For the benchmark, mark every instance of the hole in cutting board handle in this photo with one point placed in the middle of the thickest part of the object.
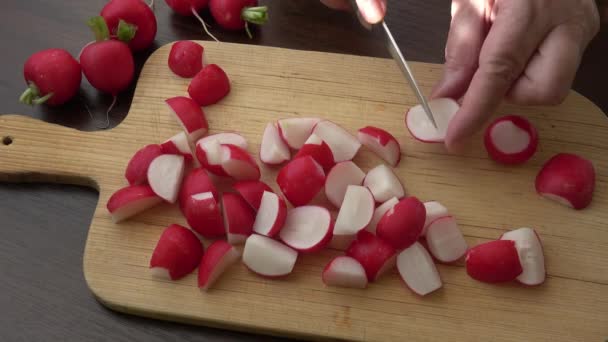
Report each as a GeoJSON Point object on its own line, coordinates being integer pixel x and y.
{"type": "Point", "coordinates": [7, 140]}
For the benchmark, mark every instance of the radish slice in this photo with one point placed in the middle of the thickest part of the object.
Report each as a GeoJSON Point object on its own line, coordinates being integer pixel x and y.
{"type": "Point", "coordinates": [301, 180]}
{"type": "Point", "coordinates": [343, 271]}
{"type": "Point", "coordinates": [356, 211]}
{"type": "Point", "coordinates": [196, 182]}
{"type": "Point", "coordinates": [238, 218]}
{"type": "Point", "coordinates": [417, 270]}
{"type": "Point", "coordinates": [137, 169]}
{"type": "Point", "coordinates": [379, 213]}
{"type": "Point", "coordinates": [530, 250]}
{"type": "Point", "coordinates": [178, 144]}
{"type": "Point", "coordinates": [165, 176]}
{"type": "Point", "coordinates": [271, 216]}
{"type": "Point", "coordinates": [402, 225]}
{"type": "Point", "coordinates": [273, 149]}
{"type": "Point", "coordinates": [339, 178]}
{"type": "Point", "coordinates": [383, 183]}
{"type": "Point", "coordinates": [511, 140]}
{"type": "Point", "coordinates": [343, 145]}
{"type": "Point", "coordinates": [494, 262]}
{"type": "Point", "coordinates": [376, 256]}
{"type": "Point", "coordinates": [307, 229]}
{"type": "Point", "coordinates": [268, 257]}
{"type": "Point", "coordinates": [445, 240]}
{"type": "Point", "coordinates": [209, 155]}
{"type": "Point", "coordinates": [382, 143]}
{"type": "Point", "coordinates": [130, 201]}
{"type": "Point", "coordinates": [204, 216]}
{"type": "Point", "coordinates": [434, 210]}
{"type": "Point", "coordinates": [217, 259]}
{"type": "Point", "coordinates": [252, 192]}
{"type": "Point", "coordinates": [176, 254]}
{"type": "Point", "coordinates": [422, 128]}
{"type": "Point", "coordinates": [295, 131]}
{"type": "Point", "coordinates": [224, 139]}
{"type": "Point", "coordinates": [319, 150]}
{"type": "Point", "coordinates": [238, 164]}
{"type": "Point", "coordinates": [189, 115]}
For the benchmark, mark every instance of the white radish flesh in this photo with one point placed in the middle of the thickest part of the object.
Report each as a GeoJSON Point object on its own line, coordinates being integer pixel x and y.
{"type": "Point", "coordinates": [422, 128]}
{"type": "Point", "coordinates": [445, 240]}
{"type": "Point", "coordinates": [273, 149]}
{"type": "Point", "coordinates": [383, 183]}
{"type": "Point", "coordinates": [343, 145]}
{"type": "Point", "coordinates": [339, 178]}
{"type": "Point", "coordinates": [511, 140]}
{"type": "Point", "coordinates": [417, 270]}
{"type": "Point", "coordinates": [238, 164]}
{"type": "Point", "coordinates": [178, 144]}
{"type": "Point", "coordinates": [381, 143]}
{"type": "Point", "coordinates": [379, 212]}
{"type": "Point", "coordinates": [434, 210]}
{"type": "Point", "coordinates": [307, 228]}
{"type": "Point", "coordinates": [344, 271]}
{"type": "Point", "coordinates": [295, 131]}
{"type": "Point", "coordinates": [165, 176]}
{"type": "Point", "coordinates": [271, 215]}
{"type": "Point", "coordinates": [356, 211]}
{"type": "Point", "coordinates": [268, 257]}
{"type": "Point", "coordinates": [530, 251]}
{"type": "Point", "coordinates": [130, 201]}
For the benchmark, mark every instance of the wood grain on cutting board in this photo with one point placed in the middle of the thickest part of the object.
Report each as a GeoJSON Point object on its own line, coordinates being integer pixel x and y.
{"type": "Point", "coordinates": [271, 83]}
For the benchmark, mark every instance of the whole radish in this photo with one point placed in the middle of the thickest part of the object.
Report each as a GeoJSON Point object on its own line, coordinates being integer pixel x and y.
{"type": "Point", "coordinates": [237, 14]}
{"type": "Point", "coordinates": [53, 77]}
{"type": "Point", "coordinates": [187, 7]}
{"type": "Point", "coordinates": [134, 12]}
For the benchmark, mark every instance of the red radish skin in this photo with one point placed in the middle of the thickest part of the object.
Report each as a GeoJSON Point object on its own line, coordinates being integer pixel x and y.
{"type": "Point", "coordinates": [186, 58]}
{"type": "Point", "coordinates": [178, 144]}
{"type": "Point", "coordinates": [189, 115]}
{"type": "Point", "coordinates": [238, 164]}
{"type": "Point", "coordinates": [382, 143]}
{"type": "Point", "coordinates": [108, 65]}
{"type": "Point", "coordinates": [379, 213]}
{"type": "Point", "coordinates": [422, 129]}
{"type": "Point", "coordinates": [296, 131]}
{"type": "Point", "coordinates": [271, 215]}
{"type": "Point", "coordinates": [267, 257]}
{"type": "Point", "coordinates": [238, 218]}
{"type": "Point", "coordinates": [375, 255]}
{"type": "Point", "coordinates": [511, 140]}
{"type": "Point", "coordinates": [273, 150]}
{"type": "Point", "coordinates": [418, 271]}
{"type": "Point", "coordinates": [300, 180]}
{"type": "Point", "coordinates": [307, 229]}
{"type": "Point", "coordinates": [209, 150]}
{"type": "Point", "coordinates": [165, 175]}
{"type": "Point", "coordinates": [319, 150]}
{"type": "Point", "coordinates": [134, 12]}
{"type": "Point", "coordinates": [567, 179]}
{"type": "Point", "coordinates": [339, 178]}
{"type": "Point", "coordinates": [434, 211]}
{"type": "Point", "coordinates": [220, 255]}
{"type": "Point", "coordinates": [494, 262]}
{"type": "Point", "coordinates": [53, 77]}
{"type": "Point", "coordinates": [137, 169]}
{"type": "Point", "coordinates": [203, 214]}
{"type": "Point", "coordinates": [209, 86]}
{"type": "Point", "coordinates": [252, 192]}
{"type": "Point", "coordinates": [343, 145]}
{"type": "Point", "coordinates": [530, 250]}
{"type": "Point", "coordinates": [402, 225]}
{"type": "Point", "coordinates": [343, 271]}
{"type": "Point", "coordinates": [130, 201]}
{"type": "Point", "coordinates": [445, 241]}
{"type": "Point", "coordinates": [177, 253]}
{"type": "Point", "coordinates": [237, 14]}
{"type": "Point", "coordinates": [195, 182]}
{"type": "Point", "coordinates": [383, 183]}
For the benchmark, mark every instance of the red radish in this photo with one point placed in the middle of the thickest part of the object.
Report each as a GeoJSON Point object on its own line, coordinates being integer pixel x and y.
{"type": "Point", "coordinates": [178, 144]}
{"type": "Point", "coordinates": [130, 201]}
{"type": "Point", "coordinates": [307, 229]}
{"type": "Point", "coordinates": [134, 12]}
{"type": "Point", "coordinates": [422, 128]}
{"type": "Point", "coordinates": [417, 270]}
{"type": "Point", "coordinates": [209, 86]}
{"type": "Point", "coordinates": [530, 250]}
{"type": "Point", "coordinates": [382, 143]}
{"type": "Point", "coordinates": [237, 14]}
{"type": "Point", "coordinates": [300, 180]}
{"type": "Point", "coordinates": [273, 149]}
{"type": "Point", "coordinates": [494, 262]}
{"type": "Point", "coordinates": [204, 216]}
{"type": "Point", "coordinates": [445, 241]}
{"type": "Point", "coordinates": [268, 257]}
{"type": "Point", "coordinates": [238, 218]}
{"type": "Point", "coordinates": [189, 115]}
{"type": "Point", "coordinates": [220, 255]}
{"type": "Point", "coordinates": [165, 176]}
{"type": "Point", "coordinates": [295, 131]}
{"type": "Point", "coordinates": [53, 77]}
{"type": "Point", "coordinates": [196, 182]}
{"type": "Point", "coordinates": [434, 210]}
{"type": "Point", "coordinates": [271, 215]}
{"type": "Point", "coordinates": [343, 271]}
{"type": "Point", "coordinates": [252, 192]}
{"type": "Point", "coordinates": [339, 178]}
{"type": "Point", "coordinates": [177, 253]}
{"type": "Point", "coordinates": [402, 225]}
{"type": "Point", "coordinates": [383, 183]}
{"type": "Point", "coordinates": [343, 145]}
{"type": "Point", "coordinates": [375, 255]}
{"type": "Point", "coordinates": [186, 58]}
{"type": "Point", "coordinates": [238, 164]}
{"type": "Point", "coordinates": [355, 213]}
{"type": "Point", "coordinates": [209, 150]}
{"type": "Point", "coordinates": [137, 169]}
{"type": "Point", "coordinates": [187, 7]}
{"type": "Point", "coordinates": [568, 179]}
{"type": "Point", "coordinates": [379, 213]}
{"type": "Point", "coordinates": [225, 138]}
{"type": "Point", "coordinates": [319, 150]}
{"type": "Point", "coordinates": [511, 140]}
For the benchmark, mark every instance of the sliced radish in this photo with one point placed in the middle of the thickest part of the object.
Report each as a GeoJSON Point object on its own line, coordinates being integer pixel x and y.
{"type": "Point", "coordinates": [295, 131]}
{"type": "Point", "coordinates": [422, 128]}
{"type": "Point", "coordinates": [375, 255]}
{"type": "Point", "coordinates": [130, 201]}
{"type": "Point", "coordinates": [137, 169]}
{"type": "Point", "coordinates": [382, 143]}
{"type": "Point", "coordinates": [344, 271]}
{"type": "Point", "coordinates": [356, 211]}
{"type": "Point", "coordinates": [195, 182]}
{"type": "Point", "coordinates": [204, 216]}
{"type": "Point", "coordinates": [343, 145]}
{"type": "Point", "coordinates": [176, 254]}
{"type": "Point", "coordinates": [300, 180]}
{"type": "Point", "coordinates": [434, 210]}
{"type": "Point", "coordinates": [494, 262]}
{"type": "Point", "coordinates": [238, 218]}
{"type": "Point", "coordinates": [402, 225]}
{"type": "Point", "coordinates": [238, 164]}
{"type": "Point", "coordinates": [252, 192]}
{"type": "Point", "coordinates": [531, 257]}
{"type": "Point", "coordinates": [339, 178]}
{"type": "Point", "coordinates": [445, 240]}
{"type": "Point", "coordinates": [271, 215]}
{"type": "Point", "coordinates": [379, 213]}
{"type": "Point", "coordinates": [319, 150]}
{"type": "Point", "coordinates": [417, 270]}
{"type": "Point", "coordinates": [307, 229]}
{"type": "Point", "coordinates": [268, 257]}
{"type": "Point", "coordinates": [225, 138]}
{"type": "Point", "coordinates": [178, 144]}
{"type": "Point", "coordinates": [189, 115]}
{"type": "Point", "coordinates": [209, 150]}
{"type": "Point", "coordinates": [511, 140]}
{"type": "Point", "coordinates": [273, 149]}
{"type": "Point", "coordinates": [220, 255]}
{"type": "Point", "coordinates": [165, 176]}
{"type": "Point", "coordinates": [383, 183]}
{"type": "Point", "coordinates": [567, 179]}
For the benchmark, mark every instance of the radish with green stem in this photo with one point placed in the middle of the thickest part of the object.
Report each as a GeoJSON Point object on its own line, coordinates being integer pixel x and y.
{"type": "Point", "coordinates": [136, 13]}
{"type": "Point", "coordinates": [238, 14]}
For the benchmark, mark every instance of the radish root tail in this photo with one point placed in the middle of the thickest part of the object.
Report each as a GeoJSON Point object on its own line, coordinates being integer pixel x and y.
{"type": "Point", "coordinates": [151, 4]}
{"type": "Point", "coordinates": [203, 23]}
{"type": "Point", "coordinates": [107, 125]}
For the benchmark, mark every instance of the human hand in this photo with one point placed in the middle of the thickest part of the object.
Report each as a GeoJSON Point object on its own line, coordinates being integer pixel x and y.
{"type": "Point", "coordinates": [372, 11]}
{"type": "Point", "coordinates": [524, 51]}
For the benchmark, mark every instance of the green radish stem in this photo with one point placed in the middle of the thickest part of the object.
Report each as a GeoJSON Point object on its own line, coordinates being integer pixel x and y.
{"type": "Point", "coordinates": [125, 31]}
{"type": "Point", "coordinates": [256, 15]}
{"type": "Point", "coordinates": [99, 27]}
{"type": "Point", "coordinates": [204, 24]}
{"type": "Point", "coordinates": [31, 96]}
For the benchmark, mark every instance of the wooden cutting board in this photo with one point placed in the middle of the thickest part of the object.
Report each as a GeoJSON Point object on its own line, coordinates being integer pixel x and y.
{"type": "Point", "coordinates": [271, 83]}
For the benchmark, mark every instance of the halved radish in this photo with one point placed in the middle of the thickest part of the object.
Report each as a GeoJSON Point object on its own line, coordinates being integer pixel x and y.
{"type": "Point", "coordinates": [568, 179]}
{"type": "Point", "coordinates": [300, 180]}
{"type": "Point", "coordinates": [252, 192]}
{"type": "Point", "coordinates": [165, 176]}
{"type": "Point", "coordinates": [379, 213]}
{"type": "Point", "coordinates": [238, 218]}
{"type": "Point", "coordinates": [355, 213]}
{"type": "Point", "coordinates": [220, 255]}
{"type": "Point", "coordinates": [494, 262]}
{"type": "Point", "coordinates": [445, 240]}
{"type": "Point", "coordinates": [343, 145]}
{"type": "Point", "coordinates": [319, 150]}
{"type": "Point", "coordinates": [402, 225]}
{"type": "Point", "coordinates": [209, 151]}
{"type": "Point", "coordinates": [268, 257]}
{"type": "Point", "coordinates": [189, 115]}
{"type": "Point", "coordinates": [225, 138]}
{"type": "Point", "coordinates": [130, 201]}
{"type": "Point", "coordinates": [178, 144]}
{"type": "Point", "coordinates": [202, 211]}
{"type": "Point", "coordinates": [195, 182]}
{"type": "Point", "coordinates": [382, 143]}
{"type": "Point", "coordinates": [176, 254]}
{"type": "Point", "coordinates": [417, 270]}
{"type": "Point", "coordinates": [531, 257]}
{"type": "Point", "coordinates": [434, 210]}
{"type": "Point", "coordinates": [511, 140]}
{"type": "Point", "coordinates": [273, 149]}
{"type": "Point", "coordinates": [375, 255]}
{"type": "Point", "coordinates": [383, 183]}
{"type": "Point", "coordinates": [137, 169]}
{"type": "Point", "coordinates": [295, 131]}
{"type": "Point", "coordinates": [238, 164]}
{"type": "Point", "coordinates": [422, 128]}
{"type": "Point", "coordinates": [307, 229]}
{"type": "Point", "coordinates": [271, 215]}
{"type": "Point", "coordinates": [339, 178]}
{"type": "Point", "coordinates": [344, 271]}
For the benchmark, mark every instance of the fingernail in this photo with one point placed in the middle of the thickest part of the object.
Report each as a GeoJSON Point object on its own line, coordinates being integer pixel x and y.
{"type": "Point", "coordinates": [371, 10]}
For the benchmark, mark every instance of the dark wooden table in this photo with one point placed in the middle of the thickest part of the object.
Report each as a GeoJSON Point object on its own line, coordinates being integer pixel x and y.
{"type": "Point", "coordinates": [43, 295]}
